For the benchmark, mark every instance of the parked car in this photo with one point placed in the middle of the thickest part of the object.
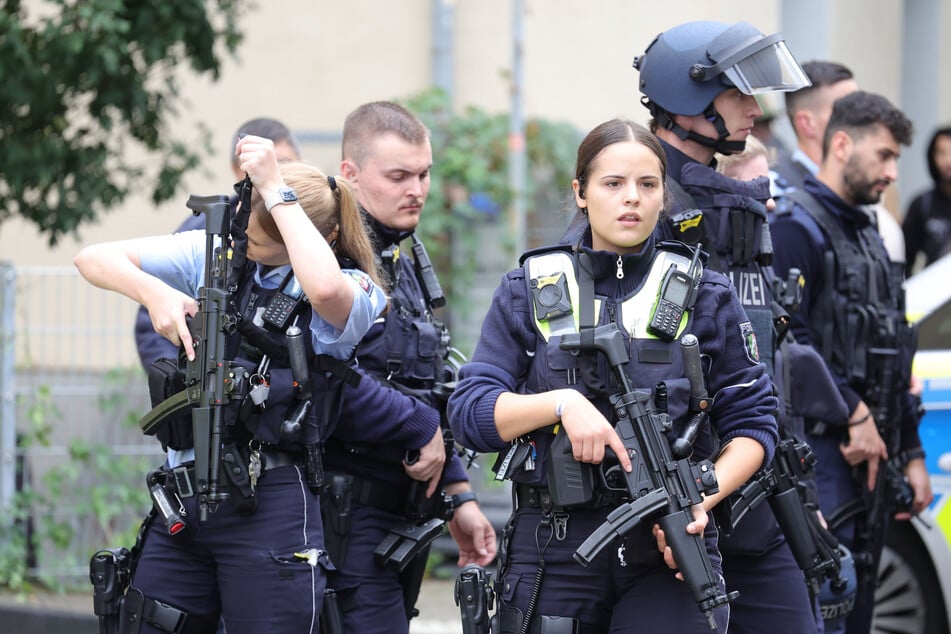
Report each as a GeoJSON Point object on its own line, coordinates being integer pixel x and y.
{"type": "Point", "coordinates": [914, 590]}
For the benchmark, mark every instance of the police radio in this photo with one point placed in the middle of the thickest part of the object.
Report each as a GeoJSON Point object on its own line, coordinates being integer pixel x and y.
{"type": "Point", "coordinates": [678, 292]}
{"type": "Point", "coordinates": [284, 303]}
{"type": "Point", "coordinates": [435, 298]}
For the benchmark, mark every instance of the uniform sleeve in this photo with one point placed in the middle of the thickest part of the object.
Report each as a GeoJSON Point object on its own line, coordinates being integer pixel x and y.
{"type": "Point", "coordinates": [397, 418]}
{"type": "Point", "coordinates": [368, 302]}
{"type": "Point", "coordinates": [744, 403]}
{"type": "Point", "coordinates": [910, 419]}
{"type": "Point", "coordinates": [176, 259]}
{"type": "Point", "coordinates": [500, 360]}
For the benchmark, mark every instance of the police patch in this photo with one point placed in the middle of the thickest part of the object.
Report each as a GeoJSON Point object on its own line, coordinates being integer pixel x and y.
{"type": "Point", "coordinates": [362, 280]}
{"type": "Point", "coordinates": [749, 342]}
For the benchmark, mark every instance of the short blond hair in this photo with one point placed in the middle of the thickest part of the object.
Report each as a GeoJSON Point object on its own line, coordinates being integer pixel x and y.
{"type": "Point", "coordinates": [729, 163]}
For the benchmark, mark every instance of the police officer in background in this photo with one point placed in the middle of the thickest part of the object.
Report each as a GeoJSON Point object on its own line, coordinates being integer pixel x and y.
{"type": "Point", "coordinates": [699, 80]}
{"type": "Point", "coordinates": [852, 312]}
{"type": "Point", "coordinates": [388, 453]}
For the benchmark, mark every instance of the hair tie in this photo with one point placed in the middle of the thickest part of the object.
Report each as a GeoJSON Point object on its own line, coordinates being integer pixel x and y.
{"type": "Point", "coordinates": [333, 183]}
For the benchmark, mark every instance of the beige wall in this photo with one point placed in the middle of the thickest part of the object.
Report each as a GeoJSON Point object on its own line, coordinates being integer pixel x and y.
{"type": "Point", "coordinates": [308, 62]}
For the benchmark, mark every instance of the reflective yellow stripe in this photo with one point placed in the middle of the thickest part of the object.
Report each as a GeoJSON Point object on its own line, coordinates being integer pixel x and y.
{"type": "Point", "coordinates": [932, 364]}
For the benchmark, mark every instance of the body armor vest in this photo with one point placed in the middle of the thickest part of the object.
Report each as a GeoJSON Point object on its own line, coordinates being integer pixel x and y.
{"type": "Point", "coordinates": [734, 230]}
{"type": "Point", "coordinates": [409, 356]}
{"type": "Point", "coordinates": [246, 346]}
{"type": "Point", "coordinates": [655, 365]}
{"type": "Point", "coordinates": [858, 322]}
{"type": "Point", "coordinates": [414, 342]}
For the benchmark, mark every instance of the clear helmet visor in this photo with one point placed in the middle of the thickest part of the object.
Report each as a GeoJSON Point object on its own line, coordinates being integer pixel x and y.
{"type": "Point", "coordinates": [772, 68]}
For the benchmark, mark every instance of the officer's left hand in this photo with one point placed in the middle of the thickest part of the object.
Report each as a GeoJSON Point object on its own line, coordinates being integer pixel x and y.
{"type": "Point", "coordinates": [917, 475]}
{"type": "Point", "coordinates": [474, 535]}
{"type": "Point", "coordinates": [696, 527]}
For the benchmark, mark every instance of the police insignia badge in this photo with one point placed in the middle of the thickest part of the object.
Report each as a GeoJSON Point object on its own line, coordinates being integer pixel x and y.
{"type": "Point", "coordinates": [362, 280]}
{"type": "Point", "coordinates": [749, 342]}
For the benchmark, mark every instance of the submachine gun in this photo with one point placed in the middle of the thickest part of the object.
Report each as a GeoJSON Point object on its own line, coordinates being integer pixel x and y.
{"type": "Point", "coordinates": [663, 484]}
{"type": "Point", "coordinates": [211, 380]}
{"type": "Point", "coordinates": [814, 547]}
{"type": "Point", "coordinates": [892, 492]}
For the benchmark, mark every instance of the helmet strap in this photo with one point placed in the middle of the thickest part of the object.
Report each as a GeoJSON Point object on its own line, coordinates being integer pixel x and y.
{"type": "Point", "coordinates": [720, 144]}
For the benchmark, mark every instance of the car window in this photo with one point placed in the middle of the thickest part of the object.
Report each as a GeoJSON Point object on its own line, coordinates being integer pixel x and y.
{"type": "Point", "coordinates": [934, 331]}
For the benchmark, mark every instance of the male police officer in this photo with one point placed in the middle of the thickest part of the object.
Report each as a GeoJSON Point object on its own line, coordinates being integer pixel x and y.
{"type": "Point", "coordinates": [698, 81]}
{"type": "Point", "coordinates": [852, 311]}
{"type": "Point", "coordinates": [389, 436]}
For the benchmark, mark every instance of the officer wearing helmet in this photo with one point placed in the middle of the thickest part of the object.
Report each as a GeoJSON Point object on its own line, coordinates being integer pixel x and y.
{"type": "Point", "coordinates": [698, 80]}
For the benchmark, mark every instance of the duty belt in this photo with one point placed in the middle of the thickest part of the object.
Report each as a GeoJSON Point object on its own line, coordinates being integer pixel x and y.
{"type": "Point", "coordinates": [183, 476]}
{"type": "Point", "coordinates": [380, 495]}
{"type": "Point", "coordinates": [534, 497]}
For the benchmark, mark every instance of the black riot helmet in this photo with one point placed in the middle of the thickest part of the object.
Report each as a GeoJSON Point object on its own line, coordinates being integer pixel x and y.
{"type": "Point", "coordinates": [686, 67]}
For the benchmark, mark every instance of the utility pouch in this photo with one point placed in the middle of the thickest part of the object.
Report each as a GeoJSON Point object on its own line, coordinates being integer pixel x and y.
{"type": "Point", "coordinates": [235, 467]}
{"type": "Point", "coordinates": [130, 612]}
{"type": "Point", "coordinates": [166, 380]}
{"type": "Point", "coordinates": [570, 482]}
{"type": "Point", "coordinates": [335, 506]}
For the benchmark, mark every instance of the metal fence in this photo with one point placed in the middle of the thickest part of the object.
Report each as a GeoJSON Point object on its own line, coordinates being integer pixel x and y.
{"type": "Point", "coordinates": [71, 456]}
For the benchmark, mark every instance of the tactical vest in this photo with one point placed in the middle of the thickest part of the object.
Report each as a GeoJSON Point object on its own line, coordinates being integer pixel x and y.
{"type": "Point", "coordinates": [733, 229]}
{"type": "Point", "coordinates": [409, 356]}
{"type": "Point", "coordinates": [414, 342]}
{"type": "Point", "coordinates": [858, 323]}
{"type": "Point", "coordinates": [244, 420]}
{"type": "Point", "coordinates": [656, 366]}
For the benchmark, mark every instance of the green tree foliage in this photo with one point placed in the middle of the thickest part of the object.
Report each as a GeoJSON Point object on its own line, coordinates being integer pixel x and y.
{"type": "Point", "coordinates": [85, 80]}
{"type": "Point", "coordinates": [470, 171]}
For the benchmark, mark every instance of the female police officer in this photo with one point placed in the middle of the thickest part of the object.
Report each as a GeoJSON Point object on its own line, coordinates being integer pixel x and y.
{"type": "Point", "coordinates": [258, 566]}
{"type": "Point", "coordinates": [521, 395]}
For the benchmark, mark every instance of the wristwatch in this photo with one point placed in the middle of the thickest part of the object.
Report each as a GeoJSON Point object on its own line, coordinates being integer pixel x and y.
{"type": "Point", "coordinates": [283, 196]}
{"type": "Point", "coordinates": [461, 498]}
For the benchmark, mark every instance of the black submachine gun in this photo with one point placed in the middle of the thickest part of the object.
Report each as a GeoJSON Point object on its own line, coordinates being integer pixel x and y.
{"type": "Point", "coordinates": [782, 484]}
{"type": "Point", "coordinates": [211, 380]}
{"type": "Point", "coordinates": [663, 484]}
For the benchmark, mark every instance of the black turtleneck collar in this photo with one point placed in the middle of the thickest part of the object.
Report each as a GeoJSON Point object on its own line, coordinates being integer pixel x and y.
{"type": "Point", "coordinates": [676, 160]}
{"type": "Point", "coordinates": [605, 267]}
{"type": "Point", "coordinates": [858, 216]}
{"type": "Point", "coordinates": [380, 235]}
